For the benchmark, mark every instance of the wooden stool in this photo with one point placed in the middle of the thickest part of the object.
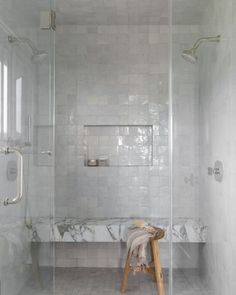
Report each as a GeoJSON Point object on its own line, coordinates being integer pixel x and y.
{"type": "Point", "coordinates": [154, 267]}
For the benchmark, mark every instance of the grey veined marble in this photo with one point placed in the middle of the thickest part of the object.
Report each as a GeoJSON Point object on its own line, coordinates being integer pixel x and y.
{"type": "Point", "coordinates": [113, 229]}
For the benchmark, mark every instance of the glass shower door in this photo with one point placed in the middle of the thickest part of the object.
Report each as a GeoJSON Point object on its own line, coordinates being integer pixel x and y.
{"type": "Point", "coordinates": [26, 149]}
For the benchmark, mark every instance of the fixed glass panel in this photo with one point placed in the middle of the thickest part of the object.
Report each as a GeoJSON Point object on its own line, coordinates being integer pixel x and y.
{"type": "Point", "coordinates": [203, 143]}
{"type": "Point", "coordinates": [18, 104]}
{"type": "Point", "coordinates": [1, 82]}
{"type": "Point", "coordinates": [112, 72]}
{"type": "Point", "coordinates": [186, 139]}
{"type": "Point", "coordinates": [26, 190]}
{"type": "Point", "coordinates": [5, 97]}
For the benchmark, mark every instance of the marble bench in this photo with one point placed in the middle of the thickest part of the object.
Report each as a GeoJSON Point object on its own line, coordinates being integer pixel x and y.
{"type": "Point", "coordinates": [27, 237]}
{"type": "Point", "coordinates": [47, 230]}
{"type": "Point", "coordinates": [184, 230]}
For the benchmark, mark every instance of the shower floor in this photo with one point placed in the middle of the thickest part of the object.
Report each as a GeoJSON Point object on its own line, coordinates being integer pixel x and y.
{"type": "Point", "coordinates": [96, 281]}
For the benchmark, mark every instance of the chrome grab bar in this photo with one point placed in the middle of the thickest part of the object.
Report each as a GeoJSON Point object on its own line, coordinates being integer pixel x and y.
{"type": "Point", "coordinates": [19, 193]}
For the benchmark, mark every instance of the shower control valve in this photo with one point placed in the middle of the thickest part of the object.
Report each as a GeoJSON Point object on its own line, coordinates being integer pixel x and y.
{"type": "Point", "coordinates": [218, 171]}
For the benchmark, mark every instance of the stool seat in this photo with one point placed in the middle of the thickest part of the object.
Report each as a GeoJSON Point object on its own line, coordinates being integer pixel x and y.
{"type": "Point", "coordinates": [154, 266]}
{"type": "Point", "coordinates": [159, 233]}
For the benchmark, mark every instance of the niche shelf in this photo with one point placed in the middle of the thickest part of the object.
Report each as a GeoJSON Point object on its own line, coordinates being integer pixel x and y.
{"type": "Point", "coordinates": [118, 145]}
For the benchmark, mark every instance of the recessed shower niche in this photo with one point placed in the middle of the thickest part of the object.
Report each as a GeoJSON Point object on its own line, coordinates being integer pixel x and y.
{"type": "Point", "coordinates": [120, 145]}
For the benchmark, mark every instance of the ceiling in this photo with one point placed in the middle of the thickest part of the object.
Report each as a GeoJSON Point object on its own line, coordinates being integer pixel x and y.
{"type": "Point", "coordinates": [128, 12]}
{"type": "Point", "coordinates": [18, 14]}
{"type": "Point", "coordinates": [188, 12]}
{"type": "Point", "coordinates": [112, 12]}
{"type": "Point", "coordinates": [26, 13]}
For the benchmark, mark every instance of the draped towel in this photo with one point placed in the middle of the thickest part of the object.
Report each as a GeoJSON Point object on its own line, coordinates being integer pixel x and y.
{"type": "Point", "coordinates": [137, 241]}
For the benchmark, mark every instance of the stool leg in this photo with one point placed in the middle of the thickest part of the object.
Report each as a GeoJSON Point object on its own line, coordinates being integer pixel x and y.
{"type": "Point", "coordinates": [126, 274]}
{"type": "Point", "coordinates": [34, 248]}
{"type": "Point", "coordinates": [157, 264]}
{"type": "Point", "coordinates": [152, 262]}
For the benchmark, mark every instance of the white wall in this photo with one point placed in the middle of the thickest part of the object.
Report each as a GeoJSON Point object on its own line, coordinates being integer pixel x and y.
{"type": "Point", "coordinates": [119, 75]}
{"type": "Point", "coordinates": [217, 138]}
{"type": "Point", "coordinates": [114, 75]}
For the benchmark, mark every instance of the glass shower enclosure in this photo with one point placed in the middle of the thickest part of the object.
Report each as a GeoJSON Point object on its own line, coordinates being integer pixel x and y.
{"type": "Point", "coordinates": [26, 144]}
{"type": "Point", "coordinates": [143, 128]}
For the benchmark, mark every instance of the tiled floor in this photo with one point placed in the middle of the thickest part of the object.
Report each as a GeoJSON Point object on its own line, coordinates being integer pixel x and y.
{"type": "Point", "coordinates": [87, 281]}
{"type": "Point", "coordinates": [188, 282]}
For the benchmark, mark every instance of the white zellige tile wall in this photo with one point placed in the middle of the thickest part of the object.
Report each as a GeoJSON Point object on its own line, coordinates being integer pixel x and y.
{"type": "Point", "coordinates": [118, 75]}
{"type": "Point", "coordinates": [217, 134]}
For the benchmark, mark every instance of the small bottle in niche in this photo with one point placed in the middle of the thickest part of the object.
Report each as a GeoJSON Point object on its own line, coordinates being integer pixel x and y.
{"type": "Point", "coordinates": [103, 161]}
{"type": "Point", "coordinates": [92, 162]}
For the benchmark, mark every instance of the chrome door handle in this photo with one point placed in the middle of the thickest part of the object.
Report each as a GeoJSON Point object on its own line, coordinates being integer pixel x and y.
{"type": "Point", "coordinates": [19, 192]}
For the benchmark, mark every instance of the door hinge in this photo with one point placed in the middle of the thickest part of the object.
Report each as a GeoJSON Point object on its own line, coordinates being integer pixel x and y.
{"type": "Point", "coordinates": [48, 20]}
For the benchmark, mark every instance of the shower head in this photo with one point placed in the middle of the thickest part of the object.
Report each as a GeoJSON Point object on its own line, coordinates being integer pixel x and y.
{"type": "Point", "coordinates": [190, 54]}
{"type": "Point", "coordinates": [38, 56]}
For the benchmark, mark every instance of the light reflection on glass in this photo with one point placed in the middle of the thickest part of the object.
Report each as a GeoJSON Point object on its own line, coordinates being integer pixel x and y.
{"type": "Point", "coordinates": [18, 104]}
{"type": "Point", "coordinates": [5, 97]}
{"type": "Point", "coordinates": [0, 97]}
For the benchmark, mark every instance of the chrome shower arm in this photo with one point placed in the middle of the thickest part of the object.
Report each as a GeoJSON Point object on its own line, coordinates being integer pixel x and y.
{"type": "Point", "coordinates": [206, 39]}
{"type": "Point", "coordinates": [13, 39]}
{"type": "Point", "coordinates": [37, 56]}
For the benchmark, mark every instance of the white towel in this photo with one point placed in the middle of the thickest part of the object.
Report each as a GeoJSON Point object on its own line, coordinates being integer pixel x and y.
{"type": "Point", "coordinates": [137, 244]}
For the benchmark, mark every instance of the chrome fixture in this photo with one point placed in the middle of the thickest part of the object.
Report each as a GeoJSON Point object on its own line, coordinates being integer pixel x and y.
{"type": "Point", "coordinates": [189, 180]}
{"type": "Point", "coordinates": [210, 171]}
{"type": "Point", "coordinates": [190, 54]}
{"type": "Point", "coordinates": [48, 20]}
{"type": "Point", "coordinates": [8, 150]}
{"type": "Point", "coordinates": [49, 153]}
{"type": "Point", "coordinates": [218, 171]}
{"type": "Point", "coordinates": [38, 56]}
